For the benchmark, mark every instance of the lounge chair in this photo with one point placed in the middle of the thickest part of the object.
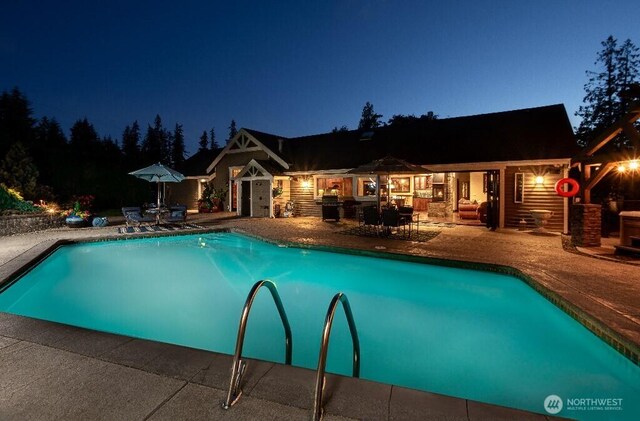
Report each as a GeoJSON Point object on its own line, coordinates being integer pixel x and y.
{"type": "Point", "coordinates": [133, 215]}
{"type": "Point", "coordinates": [177, 214]}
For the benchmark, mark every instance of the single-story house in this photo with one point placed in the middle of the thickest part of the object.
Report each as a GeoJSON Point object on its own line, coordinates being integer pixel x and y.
{"type": "Point", "coordinates": [523, 151]}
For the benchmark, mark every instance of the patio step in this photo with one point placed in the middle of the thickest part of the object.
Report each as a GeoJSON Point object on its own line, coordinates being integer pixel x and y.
{"type": "Point", "coordinates": [635, 241]}
{"type": "Point", "coordinates": [628, 250]}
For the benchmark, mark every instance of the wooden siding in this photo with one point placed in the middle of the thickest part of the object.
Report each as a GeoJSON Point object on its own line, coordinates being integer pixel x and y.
{"type": "Point", "coordinates": [535, 197]}
{"type": "Point", "coordinates": [184, 193]}
{"type": "Point", "coordinates": [304, 203]}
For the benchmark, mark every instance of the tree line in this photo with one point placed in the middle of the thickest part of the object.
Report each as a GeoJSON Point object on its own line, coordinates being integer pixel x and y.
{"type": "Point", "coordinates": [41, 163]}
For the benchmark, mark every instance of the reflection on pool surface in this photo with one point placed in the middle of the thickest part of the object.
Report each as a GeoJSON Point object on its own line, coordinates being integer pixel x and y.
{"type": "Point", "coordinates": [472, 334]}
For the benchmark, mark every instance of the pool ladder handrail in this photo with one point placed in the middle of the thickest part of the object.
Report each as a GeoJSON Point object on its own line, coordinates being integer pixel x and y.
{"type": "Point", "coordinates": [322, 358]}
{"type": "Point", "coordinates": [239, 366]}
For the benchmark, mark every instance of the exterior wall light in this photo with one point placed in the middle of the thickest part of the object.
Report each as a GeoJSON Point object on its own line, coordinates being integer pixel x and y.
{"type": "Point", "coordinates": [203, 180]}
{"type": "Point", "coordinates": [539, 180]}
{"type": "Point", "coordinates": [621, 168]}
{"type": "Point", "coordinates": [306, 183]}
{"type": "Point", "coordinates": [633, 165]}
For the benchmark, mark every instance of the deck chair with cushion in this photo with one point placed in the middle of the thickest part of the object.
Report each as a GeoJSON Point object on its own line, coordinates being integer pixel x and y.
{"type": "Point", "coordinates": [133, 215]}
{"type": "Point", "coordinates": [177, 215]}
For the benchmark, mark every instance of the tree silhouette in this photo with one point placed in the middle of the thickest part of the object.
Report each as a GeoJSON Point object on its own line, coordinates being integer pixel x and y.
{"type": "Point", "coordinates": [369, 119]}
{"type": "Point", "coordinates": [204, 142]}
{"type": "Point", "coordinates": [131, 145]}
{"type": "Point", "coordinates": [232, 130]}
{"type": "Point", "coordinates": [604, 104]}
{"type": "Point", "coordinates": [16, 120]}
{"type": "Point", "coordinates": [212, 138]}
{"type": "Point", "coordinates": [178, 151]}
{"type": "Point", "coordinates": [342, 128]}
{"type": "Point", "coordinates": [156, 145]}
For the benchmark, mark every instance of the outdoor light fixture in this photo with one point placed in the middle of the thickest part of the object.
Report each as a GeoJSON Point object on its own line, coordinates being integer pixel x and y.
{"type": "Point", "coordinates": [633, 165]}
{"type": "Point", "coordinates": [621, 168]}
{"type": "Point", "coordinates": [539, 180]}
{"type": "Point", "coordinates": [203, 180]}
{"type": "Point", "coordinates": [306, 183]}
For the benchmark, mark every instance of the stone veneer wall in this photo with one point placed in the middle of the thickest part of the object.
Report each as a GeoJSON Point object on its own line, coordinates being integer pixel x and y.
{"type": "Point", "coordinates": [585, 225]}
{"type": "Point", "coordinates": [18, 224]}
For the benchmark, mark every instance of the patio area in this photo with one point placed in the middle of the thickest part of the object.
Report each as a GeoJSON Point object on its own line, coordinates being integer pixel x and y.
{"type": "Point", "coordinates": [56, 371]}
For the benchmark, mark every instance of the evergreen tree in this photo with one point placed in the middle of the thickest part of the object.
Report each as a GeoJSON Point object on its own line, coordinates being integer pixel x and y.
{"type": "Point", "coordinates": [16, 120]}
{"type": "Point", "coordinates": [130, 145]}
{"type": "Point", "coordinates": [212, 138]}
{"type": "Point", "coordinates": [178, 150]}
{"type": "Point", "coordinates": [604, 105]}
{"type": "Point", "coordinates": [155, 145]}
{"type": "Point", "coordinates": [369, 119]}
{"type": "Point", "coordinates": [50, 155]}
{"type": "Point", "coordinates": [18, 171]}
{"type": "Point", "coordinates": [232, 130]}
{"type": "Point", "coordinates": [204, 142]}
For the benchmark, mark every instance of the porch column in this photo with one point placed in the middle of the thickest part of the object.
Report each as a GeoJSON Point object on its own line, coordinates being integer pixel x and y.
{"type": "Point", "coordinates": [502, 204]}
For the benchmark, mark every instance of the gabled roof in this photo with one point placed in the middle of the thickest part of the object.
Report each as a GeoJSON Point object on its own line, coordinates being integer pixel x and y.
{"type": "Point", "coordinates": [526, 134]}
{"type": "Point", "coordinates": [196, 164]}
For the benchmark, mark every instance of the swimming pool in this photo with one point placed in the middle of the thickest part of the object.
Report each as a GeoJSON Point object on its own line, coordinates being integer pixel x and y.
{"type": "Point", "coordinates": [472, 334]}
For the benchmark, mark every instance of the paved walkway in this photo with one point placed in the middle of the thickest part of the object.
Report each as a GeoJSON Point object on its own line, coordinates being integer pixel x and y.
{"type": "Point", "coordinates": [52, 371]}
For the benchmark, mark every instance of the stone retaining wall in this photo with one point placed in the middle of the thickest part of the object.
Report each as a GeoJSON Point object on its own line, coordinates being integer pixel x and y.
{"type": "Point", "coordinates": [586, 225]}
{"type": "Point", "coordinates": [18, 224]}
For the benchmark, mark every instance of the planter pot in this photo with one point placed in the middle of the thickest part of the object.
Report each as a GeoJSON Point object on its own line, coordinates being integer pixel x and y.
{"type": "Point", "coordinates": [75, 221]}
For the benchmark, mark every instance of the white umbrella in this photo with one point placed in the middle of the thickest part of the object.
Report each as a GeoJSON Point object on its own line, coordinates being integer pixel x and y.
{"type": "Point", "coordinates": [158, 173]}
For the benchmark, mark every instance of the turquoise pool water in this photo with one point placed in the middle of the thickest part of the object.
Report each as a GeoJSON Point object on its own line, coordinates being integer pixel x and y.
{"type": "Point", "coordinates": [471, 334]}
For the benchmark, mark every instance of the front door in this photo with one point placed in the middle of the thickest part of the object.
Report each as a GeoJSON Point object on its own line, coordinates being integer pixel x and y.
{"type": "Point", "coordinates": [260, 198]}
{"type": "Point", "coordinates": [246, 198]}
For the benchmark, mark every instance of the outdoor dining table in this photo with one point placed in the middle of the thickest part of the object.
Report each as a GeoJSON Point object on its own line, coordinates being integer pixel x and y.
{"type": "Point", "coordinates": [158, 213]}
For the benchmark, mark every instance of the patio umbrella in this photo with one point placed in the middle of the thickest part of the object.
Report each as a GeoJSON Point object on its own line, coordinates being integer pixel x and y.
{"type": "Point", "coordinates": [387, 165]}
{"type": "Point", "coordinates": [158, 173]}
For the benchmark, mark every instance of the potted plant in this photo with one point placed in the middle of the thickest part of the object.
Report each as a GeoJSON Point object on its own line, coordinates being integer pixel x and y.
{"type": "Point", "coordinates": [76, 217]}
{"type": "Point", "coordinates": [205, 204]}
{"type": "Point", "coordinates": [218, 197]}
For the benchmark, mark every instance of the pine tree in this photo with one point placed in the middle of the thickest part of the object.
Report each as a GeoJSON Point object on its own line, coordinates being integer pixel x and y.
{"type": "Point", "coordinates": [16, 120]}
{"type": "Point", "coordinates": [369, 119]}
{"type": "Point", "coordinates": [232, 130]}
{"type": "Point", "coordinates": [212, 138]}
{"type": "Point", "coordinates": [155, 144]}
{"type": "Point", "coordinates": [204, 142]}
{"type": "Point", "coordinates": [178, 150]}
{"type": "Point", "coordinates": [604, 105]}
{"type": "Point", "coordinates": [131, 145]}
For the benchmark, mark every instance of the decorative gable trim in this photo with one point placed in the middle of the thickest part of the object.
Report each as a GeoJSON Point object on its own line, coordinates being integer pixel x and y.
{"type": "Point", "coordinates": [245, 142]}
{"type": "Point", "coordinates": [254, 171]}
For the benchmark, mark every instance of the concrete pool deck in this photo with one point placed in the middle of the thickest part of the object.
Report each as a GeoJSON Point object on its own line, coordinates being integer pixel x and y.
{"type": "Point", "coordinates": [53, 371]}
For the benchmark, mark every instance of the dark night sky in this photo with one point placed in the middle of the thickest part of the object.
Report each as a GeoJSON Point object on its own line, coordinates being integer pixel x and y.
{"type": "Point", "coordinates": [297, 67]}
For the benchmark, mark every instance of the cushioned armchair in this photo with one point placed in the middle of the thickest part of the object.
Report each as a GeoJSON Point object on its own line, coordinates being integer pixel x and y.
{"type": "Point", "coordinates": [467, 209]}
{"type": "Point", "coordinates": [177, 214]}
